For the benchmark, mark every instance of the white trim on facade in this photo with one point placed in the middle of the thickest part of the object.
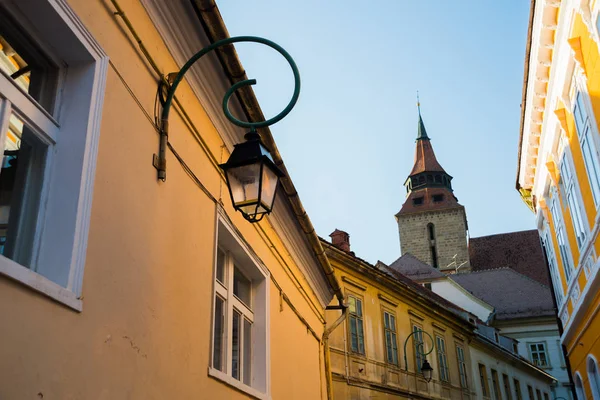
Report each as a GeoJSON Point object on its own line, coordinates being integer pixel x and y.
{"type": "Point", "coordinates": [59, 263]}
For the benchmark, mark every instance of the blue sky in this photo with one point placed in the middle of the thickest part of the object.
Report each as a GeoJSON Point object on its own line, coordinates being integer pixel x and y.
{"type": "Point", "coordinates": [349, 142]}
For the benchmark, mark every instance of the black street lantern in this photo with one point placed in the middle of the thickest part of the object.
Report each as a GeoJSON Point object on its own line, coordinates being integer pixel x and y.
{"type": "Point", "coordinates": [252, 178]}
{"type": "Point", "coordinates": [251, 174]}
{"type": "Point", "coordinates": [427, 371]}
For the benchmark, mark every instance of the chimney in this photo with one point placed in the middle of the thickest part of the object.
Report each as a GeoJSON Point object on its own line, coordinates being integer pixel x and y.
{"type": "Point", "coordinates": [341, 240]}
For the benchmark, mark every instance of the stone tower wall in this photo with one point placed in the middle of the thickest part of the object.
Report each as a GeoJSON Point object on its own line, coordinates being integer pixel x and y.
{"type": "Point", "coordinates": [450, 232]}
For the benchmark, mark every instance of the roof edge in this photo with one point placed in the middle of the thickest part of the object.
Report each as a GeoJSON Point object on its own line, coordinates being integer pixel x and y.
{"type": "Point", "coordinates": [524, 92]}
{"type": "Point", "coordinates": [214, 27]}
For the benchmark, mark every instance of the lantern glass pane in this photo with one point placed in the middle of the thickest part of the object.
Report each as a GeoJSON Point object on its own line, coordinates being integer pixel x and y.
{"type": "Point", "coordinates": [269, 186]}
{"type": "Point", "coordinates": [244, 184]}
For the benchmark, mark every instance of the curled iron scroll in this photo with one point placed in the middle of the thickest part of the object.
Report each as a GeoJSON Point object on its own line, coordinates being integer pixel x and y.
{"type": "Point", "coordinates": [238, 85]}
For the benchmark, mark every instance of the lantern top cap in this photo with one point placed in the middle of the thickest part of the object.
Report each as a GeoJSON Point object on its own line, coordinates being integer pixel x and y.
{"type": "Point", "coordinates": [250, 152]}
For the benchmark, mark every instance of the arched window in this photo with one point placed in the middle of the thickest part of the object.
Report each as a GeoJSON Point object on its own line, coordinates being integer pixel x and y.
{"type": "Point", "coordinates": [594, 377]}
{"type": "Point", "coordinates": [438, 179]}
{"type": "Point", "coordinates": [421, 179]}
{"type": "Point", "coordinates": [432, 246]}
{"type": "Point", "coordinates": [429, 178]}
{"type": "Point", "coordinates": [579, 387]}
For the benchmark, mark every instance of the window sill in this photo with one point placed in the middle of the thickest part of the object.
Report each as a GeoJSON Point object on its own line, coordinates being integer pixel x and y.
{"type": "Point", "coordinates": [215, 373]}
{"type": "Point", "coordinates": [37, 282]}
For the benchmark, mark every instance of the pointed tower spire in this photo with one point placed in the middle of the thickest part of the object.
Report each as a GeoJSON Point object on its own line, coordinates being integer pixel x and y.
{"type": "Point", "coordinates": [421, 132]}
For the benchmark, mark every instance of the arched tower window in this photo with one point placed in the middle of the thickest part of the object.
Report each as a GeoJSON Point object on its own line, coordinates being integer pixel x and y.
{"type": "Point", "coordinates": [432, 246]}
{"type": "Point", "coordinates": [594, 377]}
{"type": "Point", "coordinates": [579, 387]}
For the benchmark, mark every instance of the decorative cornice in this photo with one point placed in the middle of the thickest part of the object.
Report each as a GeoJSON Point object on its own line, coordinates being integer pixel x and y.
{"type": "Point", "coordinates": [354, 283]}
{"type": "Point", "coordinates": [553, 171]}
{"type": "Point", "coordinates": [561, 114]}
{"type": "Point", "coordinates": [575, 43]}
{"type": "Point", "coordinates": [387, 299]}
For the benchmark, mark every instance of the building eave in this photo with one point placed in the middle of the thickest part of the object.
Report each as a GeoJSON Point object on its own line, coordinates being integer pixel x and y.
{"type": "Point", "coordinates": [215, 29]}
{"type": "Point", "coordinates": [539, 60]}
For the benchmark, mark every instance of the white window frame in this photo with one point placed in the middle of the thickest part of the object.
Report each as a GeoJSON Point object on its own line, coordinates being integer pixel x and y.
{"type": "Point", "coordinates": [593, 376]}
{"type": "Point", "coordinates": [554, 272]}
{"type": "Point", "coordinates": [579, 389]}
{"type": "Point", "coordinates": [536, 351]}
{"type": "Point", "coordinates": [560, 229]}
{"type": "Point", "coordinates": [57, 265]}
{"type": "Point", "coordinates": [588, 136]}
{"type": "Point", "coordinates": [570, 186]}
{"type": "Point", "coordinates": [228, 240]}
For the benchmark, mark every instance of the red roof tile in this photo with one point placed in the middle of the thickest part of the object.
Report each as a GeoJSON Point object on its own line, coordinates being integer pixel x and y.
{"type": "Point", "coordinates": [520, 251]}
{"type": "Point", "coordinates": [425, 158]}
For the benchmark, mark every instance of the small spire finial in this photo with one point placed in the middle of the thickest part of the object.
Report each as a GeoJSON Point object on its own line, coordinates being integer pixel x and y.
{"type": "Point", "coordinates": [421, 132]}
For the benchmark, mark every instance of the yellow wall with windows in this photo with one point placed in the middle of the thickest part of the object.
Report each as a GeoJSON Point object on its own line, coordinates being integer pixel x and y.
{"type": "Point", "coordinates": [582, 329]}
{"type": "Point", "coordinates": [377, 296]}
{"type": "Point", "coordinates": [145, 328]}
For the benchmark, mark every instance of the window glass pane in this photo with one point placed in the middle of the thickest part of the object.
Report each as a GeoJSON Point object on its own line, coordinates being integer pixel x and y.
{"type": "Point", "coordinates": [591, 165]}
{"type": "Point", "coordinates": [21, 179]}
{"type": "Point", "coordinates": [242, 287]}
{"type": "Point", "coordinates": [247, 352]}
{"type": "Point", "coordinates": [220, 266]}
{"type": "Point", "coordinates": [351, 305]}
{"type": "Point", "coordinates": [359, 307]}
{"type": "Point", "coordinates": [24, 63]}
{"type": "Point", "coordinates": [235, 345]}
{"type": "Point", "coordinates": [218, 345]}
{"type": "Point", "coordinates": [361, 338]}
{"type": "Point", "coordinates": [394, 349]}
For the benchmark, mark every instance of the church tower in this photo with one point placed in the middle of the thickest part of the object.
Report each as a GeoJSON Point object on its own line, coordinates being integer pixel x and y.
{"type": "Point", "coordinates": [431, 222]}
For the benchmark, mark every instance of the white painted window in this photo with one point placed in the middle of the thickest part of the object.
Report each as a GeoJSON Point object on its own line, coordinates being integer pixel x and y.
{"type": "Point", "coordinates": [579, 387]}
{"type": "Point", "coordinates": [594, 377]}
{"type": "Point", "coordinates": [239, 349]}
{"type": "Point", "coordinates": [538, 354]}
{"type": "Point", "coordinates": [561, 236]}
{"type": "Point", "coordinates": [554, 274]}
{"type": "Point", "coordinates": [440, 345]}
{"type": "Point", "coordinates": [571, 190]}
{"type": "Point", "coordinates": [588, 147]}
{"type": "Point", "coordinates": [52, 77]}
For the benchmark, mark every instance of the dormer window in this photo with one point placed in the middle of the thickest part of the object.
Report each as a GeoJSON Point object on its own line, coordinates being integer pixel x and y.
{"type": "Point", "coordinates": [418, 201]}
{"type": "Point", "coordinates": [438, 198]}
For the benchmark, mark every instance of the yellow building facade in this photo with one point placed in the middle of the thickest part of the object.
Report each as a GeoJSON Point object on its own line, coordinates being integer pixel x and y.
{"type": "Point", "coordinates": [394, 324]}
{"type": "Point", "coordinates": [559, 169]}
{"type": "Point", "coordinates": [115, 284]}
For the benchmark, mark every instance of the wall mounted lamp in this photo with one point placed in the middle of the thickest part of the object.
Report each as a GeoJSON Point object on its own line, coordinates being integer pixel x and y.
{"type": "Point", "coordinates": [251, 174]}
{"type": "Point", "coordinates": [426, 369]}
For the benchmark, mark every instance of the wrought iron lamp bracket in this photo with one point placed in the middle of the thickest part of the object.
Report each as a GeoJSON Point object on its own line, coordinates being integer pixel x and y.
{"type": "Point", "coordinates": [174, 79]}
{"type": "Point", "coordinates": [418, 347]}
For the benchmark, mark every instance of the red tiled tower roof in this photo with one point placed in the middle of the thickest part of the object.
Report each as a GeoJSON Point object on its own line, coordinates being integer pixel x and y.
{"type": "Point", "coordinates": [428, 184]}
{"type": "Point", "coordinates": [424, 156]}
